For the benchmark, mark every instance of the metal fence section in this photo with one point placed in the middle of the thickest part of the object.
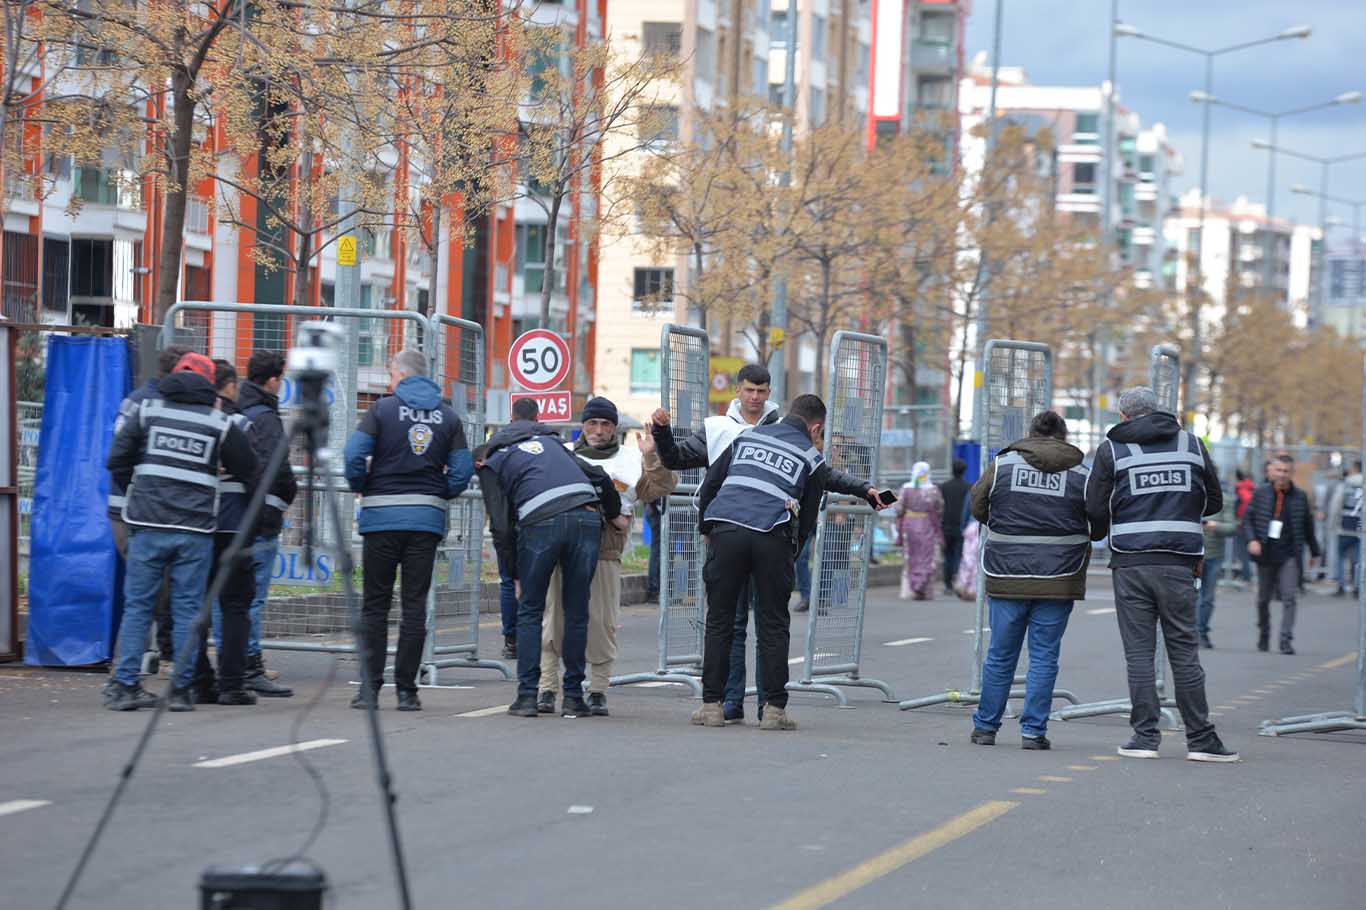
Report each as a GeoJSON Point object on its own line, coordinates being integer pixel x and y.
{"type": "Point", "coordinates": [1332, 721]}
{"type": "Point", "coordinates": [685, 382]}
{"type": "Point", "coordinates": [1017, 384]}
{"type": "Point", "coordinates": [30, 425]}
{"type": "Point", "coordinates": [911, 433]}
{"type": "Point", "coordinates": [1164, 377]}
{"type": "Point", "coordinates": [844, 532]}
{"type": "Point", "coordinates": [453, 604]}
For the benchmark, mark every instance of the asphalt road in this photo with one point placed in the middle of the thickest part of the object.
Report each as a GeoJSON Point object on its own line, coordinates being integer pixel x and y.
{"type": "Point", "coordinates": [869, 807]}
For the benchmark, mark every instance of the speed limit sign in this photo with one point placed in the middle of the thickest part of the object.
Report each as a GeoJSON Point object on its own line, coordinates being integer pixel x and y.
{"type": "Point", "coordinates": [539, 360]}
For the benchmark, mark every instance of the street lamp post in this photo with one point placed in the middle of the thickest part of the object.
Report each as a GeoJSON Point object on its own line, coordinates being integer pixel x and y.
{"type": "Point", "coordinates": [1274, 117]}
{"type": "Point", "coordinates": [1124, 30]}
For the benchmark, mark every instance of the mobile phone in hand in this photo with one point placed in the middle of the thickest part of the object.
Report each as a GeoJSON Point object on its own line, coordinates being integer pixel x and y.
{"type": "Point", "coordinates": [886, 497]}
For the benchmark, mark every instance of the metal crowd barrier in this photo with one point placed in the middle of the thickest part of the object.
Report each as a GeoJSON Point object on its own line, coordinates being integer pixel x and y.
{"type": "Point", "coordinates": [309, 613]}
{"type": "Point", "coordinates": [844, 532]}
{"type": "Point", "coordinates": [1333, 721]}
{"type": "Point", "coordinates": [1017, 384]}
{"type": "Point", "coordinates": [685, 382]}
{"type": "Point", "coordinates": [1164, 378]}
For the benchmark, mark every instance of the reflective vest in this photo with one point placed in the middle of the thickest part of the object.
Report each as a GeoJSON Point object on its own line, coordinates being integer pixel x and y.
{"type": "Point", "coordinates": [769, 469]}
{"type": "Point", "coordinates": [232, 490]}
{"type": "Point", "coordinates": [1350, 521]}
{"type": "Point", "coordinates": [541, 477]}
{"type": "Point", "coordinates": [412, 446]}
{"type": "Point", "coordinates": [1037, 526]}
{"type": "Point", "coordinates": [175, 482]}
{"type": "Point", "coordinates": [128, 408]}
{"type": "Point", "coordinates": [1159, 496]}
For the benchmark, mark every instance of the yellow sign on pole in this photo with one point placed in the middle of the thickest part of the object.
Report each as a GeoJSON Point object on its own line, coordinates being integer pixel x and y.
{"type": "Point", "coordinates": [346, 250]}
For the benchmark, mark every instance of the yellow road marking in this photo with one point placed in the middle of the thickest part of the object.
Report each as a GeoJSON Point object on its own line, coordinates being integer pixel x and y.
{"type": "Point", "coordinates": [1342, 661]}
{"type": "Point", "coordinates": [1054, 779]}
{"type": "Point", "coordinates": [1029, 791]}
{"type": "Point", "coordinates": [1083, 767]}
{"type": "Point", "coordinates": [1103, 757]}
{"type": "Point", "coordinates": [868, 871]}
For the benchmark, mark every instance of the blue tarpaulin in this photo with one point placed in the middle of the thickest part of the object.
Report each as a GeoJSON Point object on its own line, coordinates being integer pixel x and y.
{"type": "Point", "coordinates": [74, 580]}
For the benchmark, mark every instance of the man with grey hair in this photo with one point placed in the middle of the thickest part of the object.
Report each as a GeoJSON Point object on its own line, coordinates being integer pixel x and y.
{"type": "Point", "coordinates": [407, 458]}
{"type": "Point", "coordinates": [1151, 485]}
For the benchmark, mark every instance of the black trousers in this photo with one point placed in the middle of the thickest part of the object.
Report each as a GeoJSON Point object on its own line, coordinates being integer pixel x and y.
{"type": "Point", "coordinates": [381, 556]}
{"type": "Point", "coordinates": [953, 555]}
{"type": "Point", "coordinates": [235, 604]}
{"type": "Point", "coordinates": [737, 557]}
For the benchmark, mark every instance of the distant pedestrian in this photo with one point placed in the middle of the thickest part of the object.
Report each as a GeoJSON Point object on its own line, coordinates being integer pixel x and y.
{"type": "Point", "coordinates": [1243, 489]}
{"type": "Point", "coordinates": [1344, 514]}
{"type": "Point", "coordinates": [919, 532]}
{"type": "Point", "coordinates": [1218, 529]}
{"type": "Point", "coordinates": [1032, 501]}
{"type": "Point", "coordinates": [1151, 484]}
{"type": "Point", "coordinates": [1282, 525]}
{"type": "Point", "coordinates": [955, 492]}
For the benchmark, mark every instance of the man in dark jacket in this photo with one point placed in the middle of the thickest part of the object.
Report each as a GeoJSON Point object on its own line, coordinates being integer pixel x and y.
{"type": "Point", "coordinates": [259, 401]}
{"type": "Point", "coordinates": [546, 509]}
{"type": "Point", "coordinates": [758, 506]}
{"type": "Point", "coordinates": [1151, 485]}
{"type": "Point", "coordinates": [173, 447]}
{"type": "Point", "coordinates": [955, 493]}
{"type": "Point", "coordinates": [1281, 525]}
{"type": "Point", "coordinates": [1032, 502]}
{"type": "Point", "coordinates": [407, 459]}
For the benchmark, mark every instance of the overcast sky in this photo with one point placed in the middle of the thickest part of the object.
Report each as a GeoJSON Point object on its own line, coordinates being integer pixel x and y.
{"type": "Point", "coordinates": [1063, 42]}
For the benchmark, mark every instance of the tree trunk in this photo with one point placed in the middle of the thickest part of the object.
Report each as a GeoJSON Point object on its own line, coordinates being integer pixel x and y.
{"type": "Point", "coordinates": [177, 191]}
{"type": "Point", "coordinates": [434, 265]}
{"type": "Point", "coordinates": [303, 272]}
{"type": "Point", "coordinates": [697, 280]}
{"type": "Point", "coordinates": [548, 277]}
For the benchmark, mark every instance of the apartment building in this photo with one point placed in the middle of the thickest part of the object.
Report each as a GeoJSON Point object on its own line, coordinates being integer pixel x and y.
{"type": "Point", "coordinates": [917, 60]}
{"type": "Point", "coordinates": [1232, 254]}
{"type": "Point", "coordinates": [96, 262]}
{"type": "Point", "coordinates": [1344, 292]}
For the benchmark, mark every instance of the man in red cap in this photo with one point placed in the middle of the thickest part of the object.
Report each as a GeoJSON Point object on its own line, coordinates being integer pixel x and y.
{"type": "Point", "coordinates": [167, 455]}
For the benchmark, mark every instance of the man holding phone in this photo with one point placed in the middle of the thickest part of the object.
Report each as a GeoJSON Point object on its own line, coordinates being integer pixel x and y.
{"type": "Point", "coordinates": [1281, 526]}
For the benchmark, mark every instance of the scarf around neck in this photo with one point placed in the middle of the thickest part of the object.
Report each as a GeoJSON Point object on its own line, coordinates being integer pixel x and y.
{"type": "Point", "coordinates": [582, 448]}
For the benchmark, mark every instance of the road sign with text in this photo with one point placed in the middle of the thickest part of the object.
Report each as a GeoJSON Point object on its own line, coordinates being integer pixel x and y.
{"type": "Point", "coordinates": [555, 407]}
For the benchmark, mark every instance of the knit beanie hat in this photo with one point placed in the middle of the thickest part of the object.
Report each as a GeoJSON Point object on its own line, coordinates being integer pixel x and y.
{"type": "Point", "coordinates": [599, 409]}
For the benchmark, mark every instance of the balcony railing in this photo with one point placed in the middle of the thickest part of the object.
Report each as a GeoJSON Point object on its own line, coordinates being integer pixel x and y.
{"type": "Point", "coordinates": [18, 186]}
{"type": "Point", "coordinates": [936, 56]}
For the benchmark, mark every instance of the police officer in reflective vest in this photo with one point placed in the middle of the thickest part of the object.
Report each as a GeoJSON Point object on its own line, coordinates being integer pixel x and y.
{"type": "Point", "coordinates": [546, 510]}
{"type": "Point", "coordinates": [1032, 502]}
{"type": "Point", "coordinates": [759, 504]}
{"type": "Point", "coordinates": [170, 451]}
{"type": "Point", "coordinates": [1151, 484]}
{"type": "Point", "coordinates": [414, 444]}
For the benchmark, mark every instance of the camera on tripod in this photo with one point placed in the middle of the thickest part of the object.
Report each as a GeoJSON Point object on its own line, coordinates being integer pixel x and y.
{"type": "Point", "coordinates": [316, 350]}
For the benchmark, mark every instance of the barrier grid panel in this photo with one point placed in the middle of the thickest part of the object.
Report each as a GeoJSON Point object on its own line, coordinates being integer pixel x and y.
{"type": "Point", "coordinates": [844, 535]}
{"type": "Point", "coordinates": [1164, 377]}
{"type": "Point", "coordinates": [685, 384]}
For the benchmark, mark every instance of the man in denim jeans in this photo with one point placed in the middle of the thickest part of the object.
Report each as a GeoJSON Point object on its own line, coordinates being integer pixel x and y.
{"type": "Point", "coordinates": [1032, 501]}
{"type": "Point", "coordinates": [172, 448]}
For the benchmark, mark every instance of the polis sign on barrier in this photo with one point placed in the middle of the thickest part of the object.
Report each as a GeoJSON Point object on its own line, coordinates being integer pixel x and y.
{"type": "Point", "coordinates": [539, 360]}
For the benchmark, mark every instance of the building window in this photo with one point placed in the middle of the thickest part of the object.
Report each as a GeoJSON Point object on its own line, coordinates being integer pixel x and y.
{"type": "Point", "coordinates": [704, 59]}
{"type": "Point", "coordinates": [935, 94]}
{"type": "Point", "coordinates": [777, 28]}
{"type": "Point", "coordinates": [664, 39]}
{"type": "Point", "coordinates": [645, 371]}
{"type": "Point", "coordinates": [92, 268]}
{"type": "Point", "coordinates": [1193, 240]}
{"type": "Point", "coordinates": [775, 95]}
{"type": "Point", "coordinates": [1087, 130]}
{"type": "Point", "coordinates": [652, 289]}
{"type": "Point", "coordinates": [21, 277]}
{"type": "Point", "coordinates": [936, 29]}
{"type": "Point", "coordinates": [817, 111]}
{"type": "Point", "coordinates": [760, 75]}
{"type": "Point", "coordinates": [56, 274]}
{"type": "Point", "coordinates": [1147, 165]}
{"type": "Point", "coordinates": [1084, 178]}
{"type": "Point", "coordinates": [817, 37]}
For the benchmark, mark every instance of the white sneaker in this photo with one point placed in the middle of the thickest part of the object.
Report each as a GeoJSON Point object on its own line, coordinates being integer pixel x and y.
{"type": "Point", "coordinates": [1132, 749]}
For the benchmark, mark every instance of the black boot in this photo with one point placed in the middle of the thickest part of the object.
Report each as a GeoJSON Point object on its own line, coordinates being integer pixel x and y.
{"type": "Point", "coordinates": [1263, 642]}
{"type": "Point", "coordinates": [255, 679]}
{"type": "Point", "coordinates": [510, 647]}
{"type": "Point", "coordinates": [236, 697]}
{"type": "Point", "coordinates": [408, 700]}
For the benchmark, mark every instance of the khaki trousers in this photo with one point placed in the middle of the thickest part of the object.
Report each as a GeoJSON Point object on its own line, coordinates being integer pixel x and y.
{"type": "Point", "coordinates": [604, 608]}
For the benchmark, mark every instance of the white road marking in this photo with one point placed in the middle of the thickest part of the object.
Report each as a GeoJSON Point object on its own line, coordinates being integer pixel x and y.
{"type": "Point", "coordinates": [580, 810]}
{"type": "Point", "coordinates": [905, 641]}
{"type": "Point", "coordinates": [797, 660]}
{"type": "Point", "coordinates": [971, 631]}
{"type": "Point", "coordinates": [1100, 611]}
{"type": "Point", "coordinates": [22, 805]}
{"type": "Point", "coordinates": [262, 754]}
{"type": "Point", "coordinates": [484, 712]}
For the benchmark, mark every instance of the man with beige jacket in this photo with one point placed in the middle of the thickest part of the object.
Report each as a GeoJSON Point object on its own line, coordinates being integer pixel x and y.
{"type": "Point", "coordinates": [639, 476]}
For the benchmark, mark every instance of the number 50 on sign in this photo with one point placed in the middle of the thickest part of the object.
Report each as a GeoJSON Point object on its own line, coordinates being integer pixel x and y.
{"type": "Point", "coordinates": [539, 360]}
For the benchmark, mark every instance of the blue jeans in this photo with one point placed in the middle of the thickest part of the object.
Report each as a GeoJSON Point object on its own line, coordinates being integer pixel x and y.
{"type": "Point", "coordinates": [507, 604]}
{"type": "Point", "coordinates": [189, 558]}
{"type": "Point", "coordinates": [1209, 584]}
{"type": "Point", "coordinates": [1045, 621]}
{"type": "Point", "coordinates": [655, 521]}
{"type": "Point", "coordinates": [1349, 548]}
{"type": "Point", "coordinates": [569, 540]}
{"type": "Point", "coordinates": [735, 681]}
{"type": "Point", "coordinates": [804, 570]}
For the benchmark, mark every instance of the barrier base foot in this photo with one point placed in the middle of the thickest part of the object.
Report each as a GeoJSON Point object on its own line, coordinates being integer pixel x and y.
{"type": "Point", "coordinates": [860, 682]}
{"type": "Point", "coordinates": [429, 676]}
{"type": "Point", "coordinates": [816, 687]}
{"type": "Point", "coordinates": [1330, 722]}
{"type": "Point", "coordinates": [682, 679]}
{"type": "Point", "coordinates": [1114, 706]}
